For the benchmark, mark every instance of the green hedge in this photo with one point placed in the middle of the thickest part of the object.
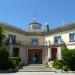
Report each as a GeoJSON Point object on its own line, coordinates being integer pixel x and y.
{"type": "Point", "coordinates": [15, 60]}
{"type": "Point", "coordinates": [69, 58]}
{"type": "Point", "coordinates": [57, 64]}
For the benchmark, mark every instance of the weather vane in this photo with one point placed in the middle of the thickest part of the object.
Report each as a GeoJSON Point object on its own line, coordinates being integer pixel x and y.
{"type": "Point", "coordinates": [34, 18]}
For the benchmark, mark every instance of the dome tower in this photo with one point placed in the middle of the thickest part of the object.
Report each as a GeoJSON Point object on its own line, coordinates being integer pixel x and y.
{"type": "Point", "coordinates": [34, 26]}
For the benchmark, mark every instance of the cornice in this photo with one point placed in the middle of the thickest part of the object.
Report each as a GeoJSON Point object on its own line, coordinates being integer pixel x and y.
{"type": "Point", "coordinates": [12, 28]}
{"type": "Point", "coordinates": [61, 28]}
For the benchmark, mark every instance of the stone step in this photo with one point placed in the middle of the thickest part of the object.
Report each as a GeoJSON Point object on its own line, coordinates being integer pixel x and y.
{"type": "Point", "coordinates": [36, 68]}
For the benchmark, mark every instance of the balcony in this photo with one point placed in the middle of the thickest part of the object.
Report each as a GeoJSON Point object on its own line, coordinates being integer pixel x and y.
{"type": "Point", "coordinates": [26, 43]}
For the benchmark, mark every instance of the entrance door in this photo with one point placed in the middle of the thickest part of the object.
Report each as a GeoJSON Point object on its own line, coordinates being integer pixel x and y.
{"type": "Point", "coordinates": [34, 56]}
{"type": "Point", "coordinates": [53, 53]}
{"type": "Point", "coordinates": [16, 52]}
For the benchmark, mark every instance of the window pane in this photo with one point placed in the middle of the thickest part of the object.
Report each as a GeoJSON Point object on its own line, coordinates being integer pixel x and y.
{"type": "Point", "coordinates": [72, 36]}
{"type": "Point", "coordinates": [34, 41]}
{"type": "Point", "coordinates": [57, 39]}
{"type": "Point", "coordinates": [12, 38]}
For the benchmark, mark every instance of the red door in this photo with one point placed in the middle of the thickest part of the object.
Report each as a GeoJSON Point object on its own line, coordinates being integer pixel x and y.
{"type": "Point", "coordinates": [53, 53]}
{"type": "Point", "coordinates": [16, 52]}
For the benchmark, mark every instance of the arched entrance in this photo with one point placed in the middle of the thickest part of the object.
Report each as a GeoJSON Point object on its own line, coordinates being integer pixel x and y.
{"type": "Point", "coordinates": [34, 56]}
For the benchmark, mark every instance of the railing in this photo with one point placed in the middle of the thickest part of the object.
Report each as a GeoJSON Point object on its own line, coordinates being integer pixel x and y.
{"type": "Point", "coordinates": [48, 43]}
{"type": "Point", "coordinates": [35, 30]}
{"type": "Point", "coordinates": [39, 43]}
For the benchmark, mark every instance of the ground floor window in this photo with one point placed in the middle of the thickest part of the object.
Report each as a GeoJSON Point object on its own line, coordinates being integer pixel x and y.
{"type": "Point", "coordinates": [16, 52]}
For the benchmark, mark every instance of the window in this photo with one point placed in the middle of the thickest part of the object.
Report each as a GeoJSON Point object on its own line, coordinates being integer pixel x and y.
{"type": "Point", "coordinates": [57, 39]}
{"type": "Point", "coordinates": [34, 41]}
{"type": "Point", "coordinates": [12, 38]}
{"type": "Point", "coordinates": [72, 37]}
{"type": "Point", "coordinates": [15, 52]}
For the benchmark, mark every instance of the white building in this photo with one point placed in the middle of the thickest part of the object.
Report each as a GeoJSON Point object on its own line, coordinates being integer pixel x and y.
{"type": "Point", "coordinates": [36, 46]}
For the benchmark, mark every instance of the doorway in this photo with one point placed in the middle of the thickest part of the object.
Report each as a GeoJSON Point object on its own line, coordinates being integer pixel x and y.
{"type": "Point", "coordinates": [53, 53]}
{"type": "Point", "coordinates": [34, 56]}
{"type": "Point", "coordinates": [15, 52]}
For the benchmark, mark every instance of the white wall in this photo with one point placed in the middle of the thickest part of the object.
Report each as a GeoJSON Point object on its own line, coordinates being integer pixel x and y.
{"type": "Point", "coordinates": [64, 36]}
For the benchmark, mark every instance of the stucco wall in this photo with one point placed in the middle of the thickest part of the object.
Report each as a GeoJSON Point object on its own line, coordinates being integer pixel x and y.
{"type": "Point", "coordinates": [19, 37]}
{"type": "Point", "coordinates": [24, 38]}
{"type": "Point", "coordinates": [64, 36]}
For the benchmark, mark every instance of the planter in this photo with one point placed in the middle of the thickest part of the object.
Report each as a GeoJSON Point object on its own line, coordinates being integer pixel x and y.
{"type": "Point", "coordinates": [50, 64]}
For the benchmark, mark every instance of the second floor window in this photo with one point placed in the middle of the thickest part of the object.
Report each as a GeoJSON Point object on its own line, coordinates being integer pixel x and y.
{"type": "Point", "coordinates": [34, 41]}
{"type": "Point", "coordinates": [12, 38]}
{"type": "Point", "coordinates": [72, 37]}
{"type": "Point", "coordinates": [57, 39]}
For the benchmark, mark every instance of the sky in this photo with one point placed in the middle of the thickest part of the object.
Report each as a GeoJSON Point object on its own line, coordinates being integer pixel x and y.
{"type": "Point", "coordinates": [20, 13]}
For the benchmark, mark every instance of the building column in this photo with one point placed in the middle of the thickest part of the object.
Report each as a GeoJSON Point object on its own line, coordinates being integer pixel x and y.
{"type": "Point", "coordinates": [59, 53]}
{"type": "Point", "coordinates": [11, 50]}
{"type": "Point", "coordinates": [49, 52]}
{"type": "Point", "coordinates": [22, 55]}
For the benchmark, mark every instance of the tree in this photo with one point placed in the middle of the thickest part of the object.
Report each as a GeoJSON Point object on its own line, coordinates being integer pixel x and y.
{"type": "Point", "coordinates": [2, 36]}
{"type": "Point", "coordinates": [4, 55]}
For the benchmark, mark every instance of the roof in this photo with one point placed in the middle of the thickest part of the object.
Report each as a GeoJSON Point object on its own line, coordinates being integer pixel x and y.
{"type": "Point", "coordinates": [12, 28]}
{"type": "Point", "coordinates": [32, 23]}
{"type": "Point", "coordinates": [18, 30]}
{"type": "Point", "coordinates": [62, 28]}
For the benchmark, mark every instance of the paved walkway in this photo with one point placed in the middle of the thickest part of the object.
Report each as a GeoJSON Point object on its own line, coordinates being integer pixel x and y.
{"type": "Point", "coordinates": [35, 68]}
{"type": "Point", "coordinates": [37, 73]}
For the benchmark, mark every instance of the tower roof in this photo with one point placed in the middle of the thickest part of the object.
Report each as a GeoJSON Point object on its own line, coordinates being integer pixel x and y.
{"type": "Point", "coordinates": [34, 24]}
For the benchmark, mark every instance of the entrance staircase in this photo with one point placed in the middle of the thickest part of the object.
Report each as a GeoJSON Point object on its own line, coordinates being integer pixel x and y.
{"type": "Point", "coordinates": [35, 68]}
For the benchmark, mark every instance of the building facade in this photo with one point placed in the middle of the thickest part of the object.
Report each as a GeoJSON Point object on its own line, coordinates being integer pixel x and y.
{"type": "Point", "coordinates": [36, 45]}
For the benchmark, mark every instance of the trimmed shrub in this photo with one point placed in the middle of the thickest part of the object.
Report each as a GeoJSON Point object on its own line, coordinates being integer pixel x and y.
{"type": "Point", "coordinates": [15, 60]}
{"type": "Point", "coordinates": [12, 64]}
{"type": "Point", "coordinates": [57, 64]}
{"type": "Point", "coordinates": [69, 58]}
{"type": "Point", "coordinates": [65, 67]}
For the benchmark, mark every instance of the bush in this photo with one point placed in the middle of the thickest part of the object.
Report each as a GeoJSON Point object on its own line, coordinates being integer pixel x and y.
{"type": "Point", "coordinates": [15, 60]}
{"type": "Point", "coordinates": [12, 64]}
{"type": "Point", "coordinates": [65, 67]}
{"type": "Point", "coordinates": [6, 63]}
{"type": "Point", "coordinates": [4, 55]}
{"type": "Point", "coordinates": [69, 58]}
{"type": "Point", "coordinates": [57, 64]}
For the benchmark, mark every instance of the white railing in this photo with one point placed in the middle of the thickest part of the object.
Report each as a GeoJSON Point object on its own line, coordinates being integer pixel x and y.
{"type": "Point", "coordinates": [39, 43]}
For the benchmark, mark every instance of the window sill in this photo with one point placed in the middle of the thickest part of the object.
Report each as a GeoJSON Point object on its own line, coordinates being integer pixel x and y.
{"type": "Point", "coordinates": [72, 41]}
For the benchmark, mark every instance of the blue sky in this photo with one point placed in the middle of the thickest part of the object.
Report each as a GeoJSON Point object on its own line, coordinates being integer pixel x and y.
{"type": "Point", "coordinates": [21, 12]}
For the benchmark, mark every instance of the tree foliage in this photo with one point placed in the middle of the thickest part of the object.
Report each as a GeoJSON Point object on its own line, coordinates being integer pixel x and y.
{"type": "Point", "coordinates": [2, 36]}
{"type": "Point", "coordinates": [68, 56]}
